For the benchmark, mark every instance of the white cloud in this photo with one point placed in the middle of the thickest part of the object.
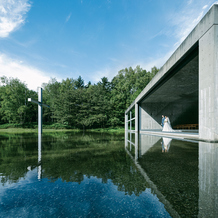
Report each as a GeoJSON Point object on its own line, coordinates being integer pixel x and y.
{"type": "Point", "coordinates": [157, 62]}
{"type": "Point", "coordinates": [185, 20]}
{"type": "Point", "coordinates": [189, 2]}
{"type": "Point", "coordinates": [106, 72]}
{"type": "Point", "coordinates": [205, 6]}
{"type": "Point", "coordinates": [111, 72]}
{"type": "Point", "coordinates": [68, 17]}
{"type": "Point", "coordinates": [12, 15]}
{"type": "Point", "coordinates": [16, 69]}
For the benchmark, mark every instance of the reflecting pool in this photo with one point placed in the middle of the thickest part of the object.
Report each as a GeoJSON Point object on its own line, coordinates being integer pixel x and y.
{"type": "Point", "coordinates": [106, 175]}
{"type": "Point", "coordinates": [182, 173]}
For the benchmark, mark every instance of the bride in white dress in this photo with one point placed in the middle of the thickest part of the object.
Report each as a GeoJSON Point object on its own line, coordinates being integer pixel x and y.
{"type": "Point", "coordinates": [167, 127]}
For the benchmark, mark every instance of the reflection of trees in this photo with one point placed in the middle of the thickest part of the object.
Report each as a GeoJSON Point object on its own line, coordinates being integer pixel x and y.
{"type": "Point", "coordinates": [100, 156]}
{"type": "Point", "coordinates": [71, 156]}
{"type": "Point", "coordinates": [112, 165]}
{"type": "Point", "coordinates": [17, 152]}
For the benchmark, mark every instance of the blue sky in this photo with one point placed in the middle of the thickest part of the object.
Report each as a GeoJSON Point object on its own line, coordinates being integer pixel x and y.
{"type": "Point", "coordinates": [43, 39]}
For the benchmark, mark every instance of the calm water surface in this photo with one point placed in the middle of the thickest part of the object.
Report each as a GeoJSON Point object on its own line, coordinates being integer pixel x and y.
{"type": "Point", "coordinates": [106, 175]}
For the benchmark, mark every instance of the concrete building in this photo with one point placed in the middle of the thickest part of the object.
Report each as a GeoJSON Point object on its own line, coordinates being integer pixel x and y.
{"type": "Point", "coordinates": [186, 87]}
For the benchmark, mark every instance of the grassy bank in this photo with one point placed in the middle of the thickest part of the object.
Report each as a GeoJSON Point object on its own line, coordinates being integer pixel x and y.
{"type": "Point", "coordinates": [112, 130]}
{"type": "Point", "coordinates": [54, 127]}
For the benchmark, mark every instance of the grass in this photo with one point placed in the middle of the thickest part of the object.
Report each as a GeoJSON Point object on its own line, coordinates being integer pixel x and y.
{"type": "Point", "coordinates": [26, 130]}
{"type": "Point", "coordinates": [54, 127]}
{"type": "Point", "coordinates": [110, 129]}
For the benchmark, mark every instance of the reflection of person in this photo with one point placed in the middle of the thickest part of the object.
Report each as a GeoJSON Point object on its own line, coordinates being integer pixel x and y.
{"type": "Point", "coordinates": [166, 144]}
{"type": "Point", "coordinates": [162, 121]}
{"type": "Point", "coordinates": [167, 127]}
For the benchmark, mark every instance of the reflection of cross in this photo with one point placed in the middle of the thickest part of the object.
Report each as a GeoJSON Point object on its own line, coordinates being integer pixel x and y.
{"type": "Point", "coordinates": [40, 104]}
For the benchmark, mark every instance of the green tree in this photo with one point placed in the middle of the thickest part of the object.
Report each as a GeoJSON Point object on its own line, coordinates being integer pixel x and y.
{"type": "Point", "coordinates": [73, 103]}
{"type": "Point", "coordinates": [79, 83]}
{"type": "Point", "coordinates": [126, 86]}
{"type": "Point", "coordinates": [51, 91]}
{"type": "Point", "coordinates": [65, 102]}
{"type": "Point", "coordinates": [14, 93]}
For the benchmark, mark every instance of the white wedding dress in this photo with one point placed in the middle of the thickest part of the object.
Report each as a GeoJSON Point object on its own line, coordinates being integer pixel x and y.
{"type": "Point", "coordinates": [166, 144]}
{"type": "Point", "coordinates": [167, 127]}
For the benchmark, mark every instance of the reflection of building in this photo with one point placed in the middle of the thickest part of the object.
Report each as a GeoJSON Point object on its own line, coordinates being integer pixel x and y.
{"type": "Point", "coordinates": [146, 142]}
{"type": "Point", "coordinates": [131, 143]}
{"type": "Point", "coordinates": [208, 180]}
{"type": "Point", "coordinates": [186, 179]}
{"type": "Point", "coordinates": [142, 145]}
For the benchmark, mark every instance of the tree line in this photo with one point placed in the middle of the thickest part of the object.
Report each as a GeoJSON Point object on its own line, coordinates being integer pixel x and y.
{"type": "Point", "coordinates": [72, 103]}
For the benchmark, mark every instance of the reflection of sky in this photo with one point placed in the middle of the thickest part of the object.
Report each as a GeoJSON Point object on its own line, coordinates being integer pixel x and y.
{"type": "Point", "coordinates": [29, 178]}
{"type": "Point", "coordinates": [32, 198]}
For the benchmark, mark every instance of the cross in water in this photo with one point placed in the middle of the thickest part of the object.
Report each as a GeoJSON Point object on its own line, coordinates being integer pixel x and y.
{"type": "Point", "coordinates": [40, 104]}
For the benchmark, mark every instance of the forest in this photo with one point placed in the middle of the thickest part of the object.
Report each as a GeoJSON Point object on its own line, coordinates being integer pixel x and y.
{"type": "Point", "coordinates": [74, 104]}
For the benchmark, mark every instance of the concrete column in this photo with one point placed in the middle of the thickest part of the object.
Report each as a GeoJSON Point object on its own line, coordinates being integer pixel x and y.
{"type": "Point", "coordinates": [136, 117]}
{"type": "Point", "coordinates": [208, 85]}
{"type": "Point", "coordinates": [130, 139]}
{"type": "Point", "coordinates": [126, 122]}
{"type": "Point", "coordinates": [40, 111]}
{"type": "Point", "coordinates": [130, 120]}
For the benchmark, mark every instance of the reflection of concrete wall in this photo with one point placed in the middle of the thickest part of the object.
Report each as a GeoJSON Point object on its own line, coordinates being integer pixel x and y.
{"type": "Point", "coordinates": [208, 180]}
{"type": "Point", "coordinates": [146, 142]}
{"type": "Point", "coordinates": [146, 121]}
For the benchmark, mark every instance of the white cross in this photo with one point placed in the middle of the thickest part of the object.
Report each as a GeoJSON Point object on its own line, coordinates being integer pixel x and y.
{"type": "Point", "coordinates": [40, 104]}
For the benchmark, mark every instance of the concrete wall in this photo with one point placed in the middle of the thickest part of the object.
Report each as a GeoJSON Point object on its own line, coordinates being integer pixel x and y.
{"type": "Point", "coordinates": [147, 122]}
{"type": "Point", "coordinates": [179, 112]}
{"type": "Point", "coordinates": [208, 85]}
